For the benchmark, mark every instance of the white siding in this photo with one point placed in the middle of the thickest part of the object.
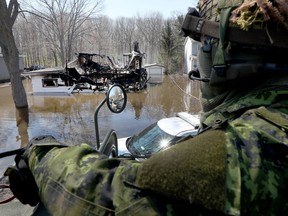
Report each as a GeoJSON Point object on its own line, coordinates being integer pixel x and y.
{"type": "Point", "coordinates": [190, 54]}
{"type": "Point", "coordinates": [4, 74]}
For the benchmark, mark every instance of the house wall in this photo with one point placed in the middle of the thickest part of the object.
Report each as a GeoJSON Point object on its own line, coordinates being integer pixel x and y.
{"type": "Point", "coordinates": [190, 54]}
{"type": "Point", "coordinates": [4, 74]}
{"type": "Point", "coordinates": [155, 72]}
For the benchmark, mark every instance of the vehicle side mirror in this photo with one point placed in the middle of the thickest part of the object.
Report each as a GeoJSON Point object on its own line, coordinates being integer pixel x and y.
{"type": "Point", "coordinates": [116, 98]}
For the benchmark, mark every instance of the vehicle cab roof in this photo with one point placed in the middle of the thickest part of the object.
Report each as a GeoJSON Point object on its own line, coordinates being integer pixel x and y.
{"type": "Point", "coordinates": [179, 125]}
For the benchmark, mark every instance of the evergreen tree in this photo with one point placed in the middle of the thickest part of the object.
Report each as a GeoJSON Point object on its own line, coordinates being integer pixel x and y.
{"type": "Point", "coordinates": [171, 46]}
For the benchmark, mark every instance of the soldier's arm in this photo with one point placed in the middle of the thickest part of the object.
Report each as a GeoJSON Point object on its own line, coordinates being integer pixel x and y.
{"type": "Point", "coordinates": [78, 180]}
{"type": "Point", "coordinates": [82, 181]}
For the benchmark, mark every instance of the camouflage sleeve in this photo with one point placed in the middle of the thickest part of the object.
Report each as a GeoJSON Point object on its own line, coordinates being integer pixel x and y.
{"type": "Point", "coordinates": [84, 182]}
{"type": "Point", "coordinates": [78, 180]}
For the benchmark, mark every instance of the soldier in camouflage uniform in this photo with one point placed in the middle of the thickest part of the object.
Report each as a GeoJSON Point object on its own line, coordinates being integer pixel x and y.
{"type": "Point", "coordinates": [237, 165]}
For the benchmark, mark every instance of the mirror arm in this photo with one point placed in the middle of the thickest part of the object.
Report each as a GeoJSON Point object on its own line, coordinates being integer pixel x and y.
{"type": "Point", "coordinates": [107, 99]}
{"type": "Point", "coordinates": [96, 123]}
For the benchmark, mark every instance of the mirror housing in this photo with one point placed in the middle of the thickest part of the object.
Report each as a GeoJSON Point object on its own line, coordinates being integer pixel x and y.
{"type": "Point", "coordinates": [116, 98]}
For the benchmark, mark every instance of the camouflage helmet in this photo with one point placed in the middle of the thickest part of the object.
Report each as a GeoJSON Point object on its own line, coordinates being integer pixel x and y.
{"type": "Point", "coordinates": [208, 9]}
{"type": "Point", "coordinates": [253, 32]}
{"type": "Point", "coordinates": [242, 45]}
{"type": "Point", "coordinates": [247, 14]}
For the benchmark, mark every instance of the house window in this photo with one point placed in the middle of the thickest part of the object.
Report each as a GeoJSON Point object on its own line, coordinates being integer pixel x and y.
{"type": "Point", "coordinates": [49, 82]}
{"type": "Point", "coordinates": [195, 48]}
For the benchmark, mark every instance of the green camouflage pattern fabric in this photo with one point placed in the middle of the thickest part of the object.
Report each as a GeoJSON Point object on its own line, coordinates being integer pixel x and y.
{"type": "Point", "coordinates": [257, 149]}
{"type": "Point", "coordinates": [210, 9]}
{"type": "Point", "coordinates": [238, 166]}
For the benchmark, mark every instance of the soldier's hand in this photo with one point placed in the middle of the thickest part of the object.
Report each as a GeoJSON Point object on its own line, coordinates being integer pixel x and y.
{"type": "Point", "coordinates": [22, 182]}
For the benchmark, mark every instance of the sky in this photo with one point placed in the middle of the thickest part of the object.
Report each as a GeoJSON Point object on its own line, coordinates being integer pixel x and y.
{"type": "Point", "coordinates": [132, 8]}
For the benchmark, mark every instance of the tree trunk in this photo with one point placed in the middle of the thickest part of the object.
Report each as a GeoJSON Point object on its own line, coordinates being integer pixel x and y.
{"type": "Point", "coordinates": [10, 53]}
{"type": "Point", "coordinates": [11, 58]}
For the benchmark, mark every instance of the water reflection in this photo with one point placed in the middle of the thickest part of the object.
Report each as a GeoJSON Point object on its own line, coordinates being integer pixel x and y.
{"type": "Point", "coordinates": [70, 118]}
{"type": "Point", "coordinates": [137, 101]}
{"type": "Point", "coordinates": [13, 126]}
{"type": "Point", "coordinates": [22, 121]}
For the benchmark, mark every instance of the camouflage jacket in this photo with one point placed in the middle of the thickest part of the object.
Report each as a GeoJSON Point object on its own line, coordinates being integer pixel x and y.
{"type": "Point", "coordinates": [237, 166]}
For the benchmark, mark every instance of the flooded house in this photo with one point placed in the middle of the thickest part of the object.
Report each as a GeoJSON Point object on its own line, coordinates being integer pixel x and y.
{"type": "Point", "coordinates": [4, 74]}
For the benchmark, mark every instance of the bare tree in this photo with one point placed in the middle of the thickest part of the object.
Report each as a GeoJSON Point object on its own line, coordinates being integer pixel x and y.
{"type": "Point", "coordinates": [8, 15]}
{"type": "Point", "coordinates": [150, 28]}
{"type": "Point", "coordinates": [31, 43]}
{"type": "Point", "coordinates": [100, 35]}
{"type": "Point", "coordinates": [47, 37]}
{"type": "Point", "coordinates": [123, 35]}
{"type": "Point", "coordinates": [62, 21]}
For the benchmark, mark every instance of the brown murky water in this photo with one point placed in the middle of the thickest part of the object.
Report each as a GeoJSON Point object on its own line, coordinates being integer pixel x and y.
{"type": "Point", "coordinates": [70, 119]}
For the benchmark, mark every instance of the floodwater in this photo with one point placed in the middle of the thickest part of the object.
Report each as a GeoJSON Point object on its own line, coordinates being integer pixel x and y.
{"type": "Point", "coordinates": [70, 119]}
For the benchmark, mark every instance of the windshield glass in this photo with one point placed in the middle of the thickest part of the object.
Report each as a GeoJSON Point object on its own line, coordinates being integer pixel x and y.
{"type": "Point", "coordinates": [149, 141]}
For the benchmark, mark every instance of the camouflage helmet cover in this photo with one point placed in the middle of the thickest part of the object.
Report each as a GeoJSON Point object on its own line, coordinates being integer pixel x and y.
{"type": "Point", "coordinates": [247, 14]}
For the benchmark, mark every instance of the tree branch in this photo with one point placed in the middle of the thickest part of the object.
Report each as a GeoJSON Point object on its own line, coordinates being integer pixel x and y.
{"type": "Point", "coordinates": [13, 11]}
